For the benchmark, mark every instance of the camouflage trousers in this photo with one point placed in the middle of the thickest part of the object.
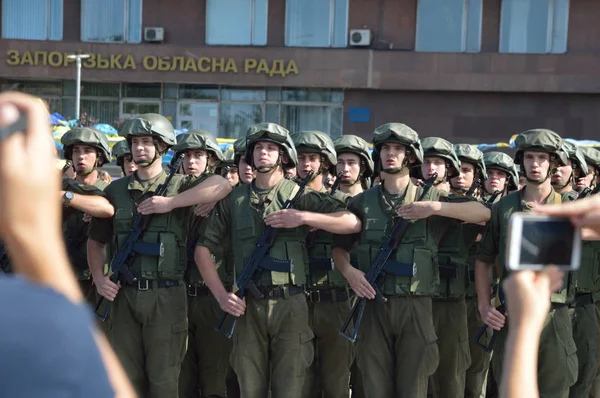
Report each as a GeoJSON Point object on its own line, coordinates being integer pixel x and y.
{"type": "Point", "coordinates": [557, 355]}
{"type": "Point", "coordinates": [330, 371]}
{"type": "Point", "coordinates": [273, 347]}
{"type": "Point", "coordinates": [206, 363]}
{"type": "Point", "coordinates": [396, 347]}
{"type": "Point", "coordinates": [450, 322]}
{"type": "Point", "coordinates": [148, 331]}
{"type": "Point", "coordinates": [583, 317]}
{"type": "Point", "coordinates": [477, 373]}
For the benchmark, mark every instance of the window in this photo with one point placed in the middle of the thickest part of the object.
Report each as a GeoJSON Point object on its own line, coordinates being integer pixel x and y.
{"type": "Point", "coordinates": [534, 26]}
{"type": "Point", "coordinates": [199, 115]}
{"type": "Point", "coordinates": [236, 22]}
{"type": "Point", "coordinates": [449, 25]}
{"type": "Point", "coordinates": [111, 21]}
{"type": "Point", "coordinates": [236, 118]}
{"type": "Point", "coordinates": [316, 23]}
{"type": "Point", "coordinates": [138, 107]}
{"type": "Point", "coordinates": [141, 90]}
{"type": "Point", "coordinates": [32, 20]}
{"type": "Point", "coordinates": [324, 118]}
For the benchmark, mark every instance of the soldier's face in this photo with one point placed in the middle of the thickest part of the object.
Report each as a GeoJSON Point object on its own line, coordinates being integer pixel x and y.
{"type": "Point", "coordinates": [265, 154]}
{"type": "Point", "coordinates": [586, 181]}
{"type": "Point", "coordinates": [306, 162]}
{"type": "Point", "coordinates": [433, 164]}
{"type": "Point", "coordinates": [142, 149]}
{"type": "Point", "coordinates": [84, 159]}
{"type": "Point", "coordinates": [290, 173]}
{"type": "Point", "coordinates": [245, 172]}
{"type": "Point", "coordinates": [231, 175]}
{"type": "Point", "coordinates": [537, 165]}
{"type": "Point", "coordinates": [496, 180]}
{"type": "Point", "coordinates": [349, 165]}
{"type": "Point", "coordinates": [195, 162]}
{"type": "Point", "coordinates": [561, 177]}
{"type": "Point", "coordinates": [392, 155]}
{"type": "Point", "coordinates": [129, 165]}
{"type": "Point", "coordinates": [465, 177]}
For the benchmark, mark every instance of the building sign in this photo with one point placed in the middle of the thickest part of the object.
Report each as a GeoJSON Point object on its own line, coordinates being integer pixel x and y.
{"type": "Point", "coordinates": [56, 59]}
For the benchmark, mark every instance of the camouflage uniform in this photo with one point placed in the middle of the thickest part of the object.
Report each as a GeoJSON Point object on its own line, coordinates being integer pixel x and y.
{"type": "Point", "coordinates": [557, 360]}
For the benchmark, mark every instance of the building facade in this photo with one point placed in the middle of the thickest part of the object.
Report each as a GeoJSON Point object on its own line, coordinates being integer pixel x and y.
{"type": "Point", "coordinates": [468, 70]}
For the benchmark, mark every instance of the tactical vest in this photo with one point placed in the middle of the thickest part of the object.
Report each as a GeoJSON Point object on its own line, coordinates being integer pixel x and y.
{"type": "Point", "coordinates": [75, 231]}
{"type": "Point", "coordinates": [452, 258]}
{"type": "Point", "coordinates": [162, 250]}
{"type": "Point", "coordinates": [587, 277]}
{"type": "Point", "coordinates": [321, 268]}
{"type": "Point", "coordinates": [287, 257]}
{"type": "Point", "coordinates": [506, 206]}
{"type": "Point", "coordinates": [412, 268]}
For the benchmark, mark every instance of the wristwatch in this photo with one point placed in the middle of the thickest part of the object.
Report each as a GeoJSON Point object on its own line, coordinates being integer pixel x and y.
{"type": "Point", "coordinates": [67, 198]}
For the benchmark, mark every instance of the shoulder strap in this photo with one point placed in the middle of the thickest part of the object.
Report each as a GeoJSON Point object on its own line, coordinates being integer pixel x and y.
{"type": "Point", "coordinates": [411, 193]}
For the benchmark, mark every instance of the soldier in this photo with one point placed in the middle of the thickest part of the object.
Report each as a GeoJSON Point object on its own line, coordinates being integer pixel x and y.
{"type": "Point", "coordinates": [592, 159]}
{"type": "Point", "coordinates": [273, 342]}
{"type": "Point", "coordinates": [327, 290]}
{"type": "Point", "coordinates": [563, 180]}
{"type": "Point", "coordinates": [502, 176]}
{"type": "Point", "coordinates": [354, 161]}
{"type": "Point", "coordinates": [465, 170]}
{"type": "Point", "coordinates": [228, 169]}
{"type": "Point", "coordinates": [205, 364]}
{"type": "Point", "coordinates": [539, 154]}
{"type": "Point", "coordinates": [86, 149]}
{"type": "Point", "coordinates": [149, 322]}
{"type": "Point", "coordinates": [245, 172]}
{"type": "Point", "coordinates": [396, 350]}
{"type": "Point", "coordinates": [122, 153]}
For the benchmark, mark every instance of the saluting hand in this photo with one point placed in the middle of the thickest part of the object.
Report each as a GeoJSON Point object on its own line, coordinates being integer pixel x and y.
{"type": "Point", "coordinates": [418, 210]}
{"type": "Point", "coordinates": [156, 205]}
{"type": "Point", "coordinates": [288, 218]}
{"type": "Point", "coordinates": [232, 304]}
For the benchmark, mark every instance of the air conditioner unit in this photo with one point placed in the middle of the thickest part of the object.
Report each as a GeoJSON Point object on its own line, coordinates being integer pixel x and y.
{"type": "Point", "coordinates": [154, 34]}
{"type": "Point", "coordinates": [360, 37]}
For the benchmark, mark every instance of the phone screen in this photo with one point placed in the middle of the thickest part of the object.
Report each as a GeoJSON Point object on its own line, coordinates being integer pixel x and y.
{"type": "Point", "coordinates": [546, 242]}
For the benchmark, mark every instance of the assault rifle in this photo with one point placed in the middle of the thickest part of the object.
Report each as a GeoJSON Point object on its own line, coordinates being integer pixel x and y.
{"type": "Point", "coordinates": [492, 198]}
{"type": "Point", "coordinates": [253, 268]}
{"type": "Point", "coordinates": [123, 259]}
{"type": "Point", "coordinates": [377, 273]}
{"type": "Point", "coordinates": [476, 184]}
{"type": "Point", "coordinates": [490, 345]}
{"type": "Point", "coordinates": [336, 184]}
{"type": "Point", "coordinates": [587, 192]}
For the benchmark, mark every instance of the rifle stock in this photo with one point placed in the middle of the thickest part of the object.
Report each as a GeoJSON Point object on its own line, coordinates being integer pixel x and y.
{"type": "Point", "coordinates": [376, 273]}
{"type": "Point", "coordinates": [124, 257]}
{"type": "Point", "coordinates": [252, 270]}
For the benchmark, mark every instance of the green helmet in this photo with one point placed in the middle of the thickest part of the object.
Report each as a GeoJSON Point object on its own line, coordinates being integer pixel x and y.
{"type": "Point", "coordinates": [316, 142]}
{"type": "Point", "coordinates": [227, 159]}
{"type": "Point", "coordinates": [199, 140]}
{"type": "Point", "coordinates": [276, 134]}
{"type": "Point", "coordinates": [436, 146]}
{"type": "Point", "coordinates": [151, 124]}
{"type": "Point", "coordinates": [119, 150]}
{"type": "Point", "coordinates": [540, 140]}
{"type": "Point", "coordinates": [576, 156]}
{"type": "Point", "coordinates": [592, 157]}
{"type": "Point", "coordinates": [501, 161]}
{"type": "Point", "coordinates": [239, 150]}
{"type": "Point", "coordinates": [356, 145]}
{"type": "Point", "coordinates": [470, 154]}
{"type": "Point", "coordinates": [400, 134]}
{"type": "Point", "coordinates": [86, 136]}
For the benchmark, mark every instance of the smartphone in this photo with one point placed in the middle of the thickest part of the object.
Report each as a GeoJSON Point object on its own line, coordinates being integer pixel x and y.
{"type": "Point", "coordinates": [536, 241]}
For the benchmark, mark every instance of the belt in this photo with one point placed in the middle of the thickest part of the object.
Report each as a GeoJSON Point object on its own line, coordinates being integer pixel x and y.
{"type": "Point", "coordinates": [198, 290]}
{"type": "Point", "coordinates": [582, 299]}
{"type": "Point", "coordinates": [145, 284]}
{"type": "Point", "coordinates": [332, 295]}
{"type": "Point", "coordinates": [280, 291]}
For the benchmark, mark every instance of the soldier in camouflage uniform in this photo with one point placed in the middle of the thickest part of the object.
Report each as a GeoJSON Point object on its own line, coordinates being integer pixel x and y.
{"type": "Point", "coordinates": [397, 349]}
{"type": "Point", "coordinates": [205, 365]}
{"type": "Point", "coordinates": [592, 158]}
{"type": "Point", "coordinates": [355, 162]}
{"type": "Point", "coordinates": [273, 341]}
{"type": "Point", "coordinates": [245, 172]}
{"type": "Point", "coordinates": [564, 178]}
{"type": "Point", "coordinates": [122, 153]}
{"type": "Point", "coordinates": [539, 154]}
{"type": "Point", "coordinates": [327, 291]}
{"type": "Point", "coordinates": [149, 324]}
{"type": "Point", "coordinates": [502, 177]}
{"type": "Point", "coordinates": [228, 169]}
{"type": "Point", "coordinates": [87, 149]}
